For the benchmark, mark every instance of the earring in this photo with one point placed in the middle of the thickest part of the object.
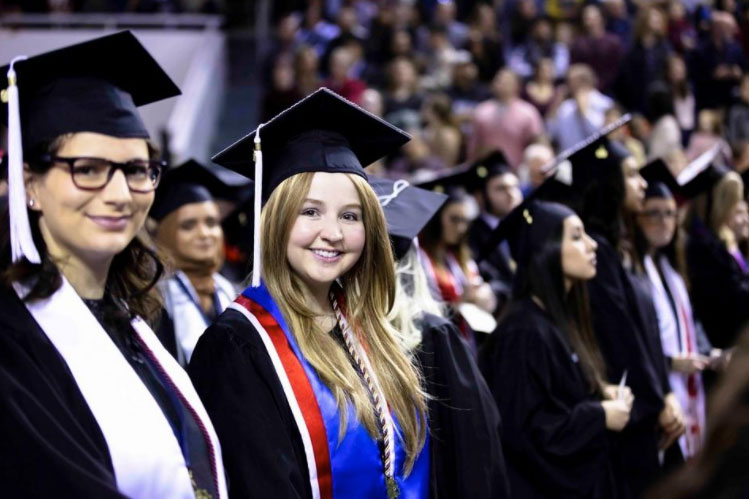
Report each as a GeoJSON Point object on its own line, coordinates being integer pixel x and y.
{"type": "Point", "coordinates": [31, 203]}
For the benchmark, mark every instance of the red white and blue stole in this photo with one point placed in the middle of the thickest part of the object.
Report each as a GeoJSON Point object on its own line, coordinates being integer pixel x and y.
{"type": "Point", "coordinates": [351, 467]}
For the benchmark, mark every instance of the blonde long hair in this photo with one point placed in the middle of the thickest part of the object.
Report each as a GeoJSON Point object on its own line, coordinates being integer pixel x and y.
{"type": "Point", "coordinates": [412, 299]}
{"type": "Point", "coordinates": [369, 290]}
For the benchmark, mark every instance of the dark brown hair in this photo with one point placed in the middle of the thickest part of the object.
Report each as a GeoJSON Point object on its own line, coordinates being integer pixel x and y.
{"type": "Point", "coordinates": [133, 272]}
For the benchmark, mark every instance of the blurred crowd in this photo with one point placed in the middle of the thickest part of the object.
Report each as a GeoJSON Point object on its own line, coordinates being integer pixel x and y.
{"type": "Point", "coordinates": [529, 77]}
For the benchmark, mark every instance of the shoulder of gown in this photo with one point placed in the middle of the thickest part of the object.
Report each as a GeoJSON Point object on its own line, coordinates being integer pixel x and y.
{"type": "Point", "coordinates": [52, 445]}
{"type": "Point", "coordinates": [464, 423]}
{"type": "Point", "coordinates": [260, 442]}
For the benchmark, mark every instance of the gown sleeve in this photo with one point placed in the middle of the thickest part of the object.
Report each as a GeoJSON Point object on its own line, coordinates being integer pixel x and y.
{"type": "Point", "coordinates": [468, 460]}
{"type": "Point", "coordinates": [261, 446]}
{"type": "Point", "coordinates": [51, 443]}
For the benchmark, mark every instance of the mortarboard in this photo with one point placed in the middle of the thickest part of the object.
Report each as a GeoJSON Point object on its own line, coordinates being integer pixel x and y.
{"type": "Point", "coordinates": [192, 182]}
{"type": "Point", "coordinates": [701, 174]}
{"type": "Point", "coordinates": [745, 179]}
{"type": "Point", "coordinates": [94, 86]}
{"type": "Point", "coordinates": [321, 133]}
{"type": "Point", "coordinates": [479, 172]}
{"type": "Point", "coordinates": [513, 228]}
{"type": "Point", "coordinates": [407, 210]}
{"type": "Point", "coordinates": [661, 182]}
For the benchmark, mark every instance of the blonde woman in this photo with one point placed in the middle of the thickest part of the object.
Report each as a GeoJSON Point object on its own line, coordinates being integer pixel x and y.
{"type": "Point", "coordinates": [465, 452]}
{"type": "Point", "coordinates": [303, 377]}
{"type": "Point", "coordinates": [719, 286]}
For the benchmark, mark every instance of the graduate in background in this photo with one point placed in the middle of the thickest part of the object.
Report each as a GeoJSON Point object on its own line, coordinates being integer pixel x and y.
{"type": "Point", "coordinates": [191, 242]}
{"type": "Point", "coordinates": [309, 389]}
{"type": "Point", "coordinates": [496, 188]}
{"type": "Point", "coordinates": [719, 286]}
{"type": "Point", "coordinates": [544, 367]}
{"type": "Point", "coordinates": [91, 404]}
{"type": "Point", "coordinates": [607, 191]}
{"type": "Point", "coordinates": [452, 272]}
{"type": "Point", "coordinates": [661, 254]}
{"type": "Point", "coordinates": [466, 454]}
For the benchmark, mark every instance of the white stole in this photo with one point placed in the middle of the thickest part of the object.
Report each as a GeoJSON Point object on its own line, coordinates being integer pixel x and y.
{"type": "Point", "coordinates": [183, 306]}
{"type": "Point", "coordinates": [146, 456]}
{"type": "Point", "coordinates": [678, 337]}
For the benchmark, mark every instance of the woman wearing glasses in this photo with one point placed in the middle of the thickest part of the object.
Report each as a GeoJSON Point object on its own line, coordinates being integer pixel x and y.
{"type": "Point", "coordinates": [91, 405]}
{"type": "Point", "coordinates": [661, 251]}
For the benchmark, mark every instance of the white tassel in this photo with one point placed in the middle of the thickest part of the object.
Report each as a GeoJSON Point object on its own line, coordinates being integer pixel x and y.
{"type": "Point", "coordinates": [22, 242]}
{"type": "Point", "coordinates": [256, 261]}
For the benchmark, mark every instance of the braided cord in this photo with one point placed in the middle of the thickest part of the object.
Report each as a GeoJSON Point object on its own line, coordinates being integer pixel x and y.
{"type": "Point", "coordinates": [383, 414]}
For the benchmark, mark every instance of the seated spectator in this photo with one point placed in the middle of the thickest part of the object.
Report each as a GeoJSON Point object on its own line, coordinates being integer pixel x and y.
{"type": "Point", "coordinates": [531, 174]}
{"type": "Point", "coordinates": [624, 134]}
{"type": "Point", "coordinates": [505, 122]}
{"type": "Point", "coordinates": [283, 91]}
{"type": "Point", "coordinates": [645, 61]}
{"type": "Point", "coordinates": [402, 98]}
{"type": "Point", "coordinates": [348, 29]}
{"type": "Point", "coordinates": [444, 17]}
{"type": "Point", "coordinates": [485, 42]}
{"type": "Point", "coordinates": [541, 90]}
{"type": "Point", "coordinates": [316, 31]}
{"type": "Point", "coordinates": [467, 90]}
{"type": "Point", "coordinates": [709, 133]}
{"type": "Point", "coordinates": [718, 63]}
{"type": "Point", "coordinates": [602, 51]}
{"type": "Point", "coordinates": [617, 20]}
{"type": "Point", "coordinates": [683, 97]}
{"type": "Point", "coordinates": [340, 80]}
{"type": "Point", "coordinates": [582, 113]}
{"type": "Point", "coordinates": [737, 116]}
{"type": "Point", "coordinates": [440, 131]}
{"type": "Point", "coordinates": [681, 32]}
{"type": "Point", "coordinates": [522, 18]}
{"type": "Point", "coordinates": [439, 62]}
{"type": "Point", "coordinates": [666, 133]}
{"type": "Point", "coordinates": [307, 69]}
{"type": "Point", "coordinates": [540, 44]}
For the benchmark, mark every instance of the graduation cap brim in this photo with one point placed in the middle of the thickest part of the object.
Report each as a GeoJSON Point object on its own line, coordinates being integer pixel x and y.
{"type": "Point", "coordinates": [407, 210]}
{"type": "Point", "coordinates": [365, 135]}
{"type": "Point", "coordinates": [118, 58]}
{"type": "Point", "coordinates": [191, 181]}
{"type": "Point", "coordinates": [449, 183]}
{"type": "Point", "coordinates": [590, 143]}
{"type": "Point", "coordinates": [701, 174]}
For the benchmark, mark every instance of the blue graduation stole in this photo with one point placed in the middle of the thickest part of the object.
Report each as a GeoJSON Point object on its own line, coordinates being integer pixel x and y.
{"type": "Point", "coordinates": [351, 467]}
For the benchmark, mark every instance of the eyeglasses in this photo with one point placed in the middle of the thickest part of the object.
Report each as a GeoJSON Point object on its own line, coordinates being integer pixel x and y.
{"type": "Point", "coordinates": [93, 174]}
{"type": "Point", "coordinates": [659, 214]}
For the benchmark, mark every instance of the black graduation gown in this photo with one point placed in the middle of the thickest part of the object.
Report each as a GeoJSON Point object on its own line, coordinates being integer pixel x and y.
{"type": "Point", "coordinates": [553, 427]}
{"type": "Point", "coordinates": [719, 288]}
{"type": "Point", "coordinates": [495, 268]}
{"type": "Point", "coordinates": [261, 446]}
{"type": "Point", "coordinates": [626, 344]}
{"type": "Point", "coordinates": [466, 454]}
{"type": "Point", "coordinates": [51, 444]}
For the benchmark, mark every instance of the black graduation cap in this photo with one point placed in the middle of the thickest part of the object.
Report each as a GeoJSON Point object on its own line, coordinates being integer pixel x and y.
{"type": "Point", "coordinates": [745, 179]}
{"type": "Point", "coordinates": [454, 184]}
{"type": "Point", "coordinates": [321, 133]}
{"type": "Point", "coordinates": [479, 172]}
{"type": "Point", "coordinates": [701, 174]}
{"type": "Point", "coordinates": [513, 226]}
{"type": "Point", "coordinates": [407, 210]}
{"type": "Point", "coordinates": [528, 226]}
{"type": "Point", "coordinates": [193, 182]}
{"type": "Point", "coordinates": [661, 182]}
{"type": "Point", "coordinates": [94, 86]}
